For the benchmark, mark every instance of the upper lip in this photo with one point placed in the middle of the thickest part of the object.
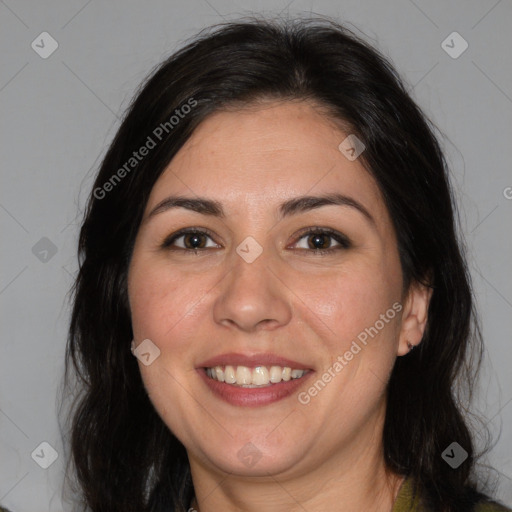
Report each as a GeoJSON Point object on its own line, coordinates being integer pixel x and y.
{"type": "Point", "coordinates": [261, 359]}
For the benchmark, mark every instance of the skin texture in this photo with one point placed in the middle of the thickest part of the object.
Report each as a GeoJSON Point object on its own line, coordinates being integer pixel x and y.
{"type": "Point", "coordinates": [289, 301]}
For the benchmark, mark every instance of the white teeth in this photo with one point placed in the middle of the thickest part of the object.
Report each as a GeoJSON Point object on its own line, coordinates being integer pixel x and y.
{"type": "Point", "coordinates": [260, 376]}
{"type": "Point", "coordinates": [243, 375]}
{"type": "Point", "coordinates": [229, 374]}
{"type": "Point", "coordinates": [276, 373]}
{"type": "Point", "coordinates": [219, 374]}
{"type": "Point", "coordinates": [253, 377]}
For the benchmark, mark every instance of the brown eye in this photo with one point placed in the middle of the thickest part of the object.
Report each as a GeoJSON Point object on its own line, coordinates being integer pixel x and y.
{"type": "Point", "coordinates": [189, 240]}
{"type": "Point", "coordinates": [319, 241]}
{"type": "Point", "coordinates": [322, 241]}
{"type": "Point", "coordinates": [194, 241]}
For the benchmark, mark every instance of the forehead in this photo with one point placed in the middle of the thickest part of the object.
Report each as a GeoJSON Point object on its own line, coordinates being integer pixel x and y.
{"type": "Point", "coordinates": [268, 152]}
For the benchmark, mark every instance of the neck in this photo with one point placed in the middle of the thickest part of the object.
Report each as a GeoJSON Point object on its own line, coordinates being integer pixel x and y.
{"type": "Point", "coordinates": [354, 477]}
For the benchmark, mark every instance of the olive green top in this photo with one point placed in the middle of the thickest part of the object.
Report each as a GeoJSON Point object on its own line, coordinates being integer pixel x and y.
{"type": "Point", "coordinates": [404, 502]}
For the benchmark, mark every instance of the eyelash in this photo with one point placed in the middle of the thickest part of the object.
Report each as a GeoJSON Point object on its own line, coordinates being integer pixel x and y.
{"type": "Point", "coordinates": [338, 237]}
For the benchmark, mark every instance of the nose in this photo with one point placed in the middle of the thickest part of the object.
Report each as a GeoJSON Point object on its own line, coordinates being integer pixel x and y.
{"type": "Point", "coordinates": [252, 297]}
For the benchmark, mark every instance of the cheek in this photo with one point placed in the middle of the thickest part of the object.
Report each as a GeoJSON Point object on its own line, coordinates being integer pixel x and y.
{"type": "Point", "coordinates": [355, 315]}
{"type": "Point", "coordinates": [163, 305]}
{"type": "Point", "coordinates": [347, 302]}
{"type": "Point", "coordinates": [162, 300]}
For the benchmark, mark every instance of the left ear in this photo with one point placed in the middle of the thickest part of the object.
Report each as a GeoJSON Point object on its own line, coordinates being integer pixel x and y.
{"type": "Point", "coordinates": [414, 317]}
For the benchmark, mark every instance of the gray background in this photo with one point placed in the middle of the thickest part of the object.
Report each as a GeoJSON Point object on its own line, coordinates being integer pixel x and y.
{"type": "Point", "coordinates": [60, 113]}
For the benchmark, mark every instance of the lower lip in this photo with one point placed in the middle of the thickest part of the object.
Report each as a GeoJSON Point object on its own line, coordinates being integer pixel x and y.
{"type": "Point", "coordinates": [253, 397]}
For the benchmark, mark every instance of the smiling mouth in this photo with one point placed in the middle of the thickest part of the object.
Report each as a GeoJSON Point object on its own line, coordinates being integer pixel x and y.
{"type": "Point", "coordinates": [256, 377]}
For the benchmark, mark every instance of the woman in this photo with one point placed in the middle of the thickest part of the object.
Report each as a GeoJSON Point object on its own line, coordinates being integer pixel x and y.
{"type": "Point", "coordinates": [272, 306]}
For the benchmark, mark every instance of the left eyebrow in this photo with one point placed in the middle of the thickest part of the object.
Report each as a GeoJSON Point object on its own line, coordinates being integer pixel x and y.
{"type": "Point", "coordinates": [199, 205]}
{"type": "Point", "coordinates": [290, 207]}
{"type": "Point", "coordinates": [306, 203]}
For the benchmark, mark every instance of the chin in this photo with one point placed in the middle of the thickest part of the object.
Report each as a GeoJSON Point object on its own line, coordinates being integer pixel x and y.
{"type": "Point", "coordinates": [253, 459]}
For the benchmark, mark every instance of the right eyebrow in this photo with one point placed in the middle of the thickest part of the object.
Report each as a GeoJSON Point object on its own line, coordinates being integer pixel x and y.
{"type": "Point", "coordinates": [200, 205]}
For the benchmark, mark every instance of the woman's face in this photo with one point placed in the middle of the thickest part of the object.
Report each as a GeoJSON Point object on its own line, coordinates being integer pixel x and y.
{"type": "Point", "coordinates": [269, 282]}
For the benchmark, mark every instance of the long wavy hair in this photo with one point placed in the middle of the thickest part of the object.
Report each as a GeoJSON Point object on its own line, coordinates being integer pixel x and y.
{"type": "Point", "coordinates": [121, 454]}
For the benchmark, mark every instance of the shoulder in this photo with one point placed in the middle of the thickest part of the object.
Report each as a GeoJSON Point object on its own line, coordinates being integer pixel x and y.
{"type": "Point", "coordinates": [408, 501]}
{"type": "Point", "coordinates": [491, 506]}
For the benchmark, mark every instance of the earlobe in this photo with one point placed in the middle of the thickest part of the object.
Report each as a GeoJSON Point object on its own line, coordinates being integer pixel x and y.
{"type": "Point", "coordinates": [414, 317]}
